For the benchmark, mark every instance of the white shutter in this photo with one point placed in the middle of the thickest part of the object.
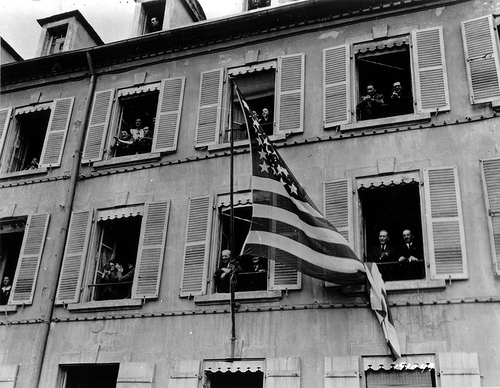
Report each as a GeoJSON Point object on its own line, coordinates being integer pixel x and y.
{"type": "Point", "coordinates": [445, 224]}
{"type": "Point", "coordinates": [283, 372]}
{"type": "Point", "coordinates": [430, 68]}
{"type": "Point", "coordinates": [342, 372]}
{"type": "Point", "coordinates": [24, 282]}
{"type": "Point", "coordinates": [168, 116]}
{"type": "Point", "coordinates": [459, 370]}
{"type": "Point", "coordinates": [282, 276]}
{"type": "Point", "coordinates": [185, 374]}
{"type": "Point", "coordinates": [98, 125]}
{"type": "Point", "coordinates": [491, 182]}
{"type": "Point", "coordinates": [136, 375]}
{"type": "Point", "coordinates": [290, 117]}
{"type": "Point", "coordinates": [151, 250]}
{"type": "Point", "coordinates": [208, 122]}
{"type": "Point", "coordinates": [75, 253]}
{"type": "Point", "coordinates": [8, 375]}
{"type": "Point", "coordinates": [57, 131]}
{"type": "Point", "coordinates": [5, 115]}
{"type": "Point", "coordinates": [336, 86]}
{"type": "Point", "coordinates": [194, 270]}
{"type": "Point", "coordinates": [480, 38]}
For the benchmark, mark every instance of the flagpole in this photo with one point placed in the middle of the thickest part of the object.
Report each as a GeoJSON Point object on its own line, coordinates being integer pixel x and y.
{"type": "Point", "coordinates": [232, 278]}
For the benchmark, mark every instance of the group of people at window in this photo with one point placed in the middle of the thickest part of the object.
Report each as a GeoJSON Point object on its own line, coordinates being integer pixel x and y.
{"type": "Point", "coordinates": [136, 140]}
{"type": "Point", "coordinates": [401, 261]}
{"type": "Point", "coordinates": [246, 273]}
{"type": "Point", "coordinates": [115, 281]}
{"type": "Point", "coordinates": [375, 105]}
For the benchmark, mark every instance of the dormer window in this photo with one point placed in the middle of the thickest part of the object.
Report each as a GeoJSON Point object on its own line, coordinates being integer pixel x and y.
{"type": "Point", "coordinates": [57, 36]}
{"type": "Point", "coordinates": [153, 13]}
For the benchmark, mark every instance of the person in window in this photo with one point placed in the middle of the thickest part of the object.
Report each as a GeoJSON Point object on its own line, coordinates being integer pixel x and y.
{"type": "Point", "coordinates": [124, 143]}
{"type": "Point", "coordinates": [155, 24]}
{"type": "Point", "coordinates": [383, 252]}
{"type": "Point", "coordinates": [254, 4]}
{"type": "Point", "coordinates": [127, 278]}
{"type": "Point", "coordinates": [140, 137]}
{"type": "Point", "coordinates": [371, 105]}
{"type": "Point", "coordinates": [401, 101]}
{"type": "Point", "coordinates": [409, 251]}
{"type": "Point", "coordinates": [5, 292]}
{"type": "Point", "coordinates": [226, 268]}
{"type": "Point", "coordinates": [33, 165]}
{"type": "Point", "coordinates": [111, 276]}
{"type": "Point", "coordinates": [266, 121]}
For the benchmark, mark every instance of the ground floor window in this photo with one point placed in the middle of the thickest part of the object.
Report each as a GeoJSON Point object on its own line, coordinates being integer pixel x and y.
{"type": "Point", "coordinates": [89, 376]}
{"type": "Point", "coordinates": [392, 223]}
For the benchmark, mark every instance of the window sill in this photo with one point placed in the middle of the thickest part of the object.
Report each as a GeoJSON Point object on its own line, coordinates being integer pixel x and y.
{"type": "Point", "coordinates": [242, 143]}
{"type": "Point", "coordinates": [415, 285]}
{"type": "Point", "coordinates": [247, 296]}
{"type": "Point", "coordinates": [105, 305]}
{"type": "Point", "coordinates": [127, 160]}
{"type": "Point", "coordinates": [8, 309]}
{"type": "Point", "coordinates": [388, 121]}
{"type": "Point", "coordinates": [27, 173]}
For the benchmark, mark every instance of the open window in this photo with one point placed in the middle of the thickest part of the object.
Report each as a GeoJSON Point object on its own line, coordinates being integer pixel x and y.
{"type": "Point", "coordinates": [57, 37]}
{"type": "Point", "coordinates": [225, 374]}
{"type": "Point", "coordinates": [11, 239]}
{"type": "Point", "coordinates": [89, 376]}
{"type": "Point", "coordinates": [152, 14]}
{"type": "Point", "coordinates": [254, 4]}
{"type": "Point", "coordinates": [410, 371]}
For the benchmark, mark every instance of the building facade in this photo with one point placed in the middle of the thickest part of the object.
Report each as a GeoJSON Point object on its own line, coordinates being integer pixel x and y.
{"type": "Point", "coordinates": [114, 209]}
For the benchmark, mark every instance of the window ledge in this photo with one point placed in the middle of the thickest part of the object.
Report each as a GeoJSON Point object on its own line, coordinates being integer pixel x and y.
{"type": "Point", "coordinates": [415, 285]}
{"type": "Point", "coordinates": [19, 174]}
{"type": "Point", "coordinates": [105, 305]}
{"type": "Point", "coordinates": [242, 143]}
{"type": "Point", "coordinates": [496, 105]}
{"type": "Point", "coordinates": [388, 121]}
{"type": "Point", "coordinates": [247, 296]}
{"type": "Point", "coordinates": [8, 309]}
{"type": "Point", "coordinates": [127, 160]}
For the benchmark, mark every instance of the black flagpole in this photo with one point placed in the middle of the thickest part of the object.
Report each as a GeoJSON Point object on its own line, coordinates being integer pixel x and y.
{"type": "Point", "coordinates": [232, 278]}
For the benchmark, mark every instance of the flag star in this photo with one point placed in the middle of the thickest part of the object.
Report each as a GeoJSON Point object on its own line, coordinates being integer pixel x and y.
{"type": "Point", "coordinates": [259, 140]}
{"type": "Point", "coordinates": [262, 154]}
{"type": "Point", "coordinates": [282, 170]}
{"type": "Point", "coordinates": [293, 189]}
{"type": "Point", "coordinates": [264, 166]}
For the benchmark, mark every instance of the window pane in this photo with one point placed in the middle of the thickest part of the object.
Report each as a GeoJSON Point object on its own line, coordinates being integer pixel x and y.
{"type": "Point", "coordinates": [91, 376]}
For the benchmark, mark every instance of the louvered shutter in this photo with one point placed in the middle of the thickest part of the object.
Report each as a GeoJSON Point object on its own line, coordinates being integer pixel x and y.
{"type": "Point", "coordinates": [482, 59]}
{"type": "Point", "coordinates": [185, 374]}
{"type": "Point", "coordinates": [430, 67]}
{"type": "Point", "coordinates": [194, 270]}
{"type": "Point", "coordinates": [8, 375]}
{"type": "Point", "coordinates": [56, 132]}
{"type": "Point", "coordinates": [98, 125]}
{"type": "Point", "coordinates": [336, 86]}
{"type": "Point", "coordinates": [168, 116]}
{"type": "Point", "coordinates": [283, 372]}
{"type": "Point", "coordinates": [75, 253]}
{"type": "Point", "coordinates": [341, 372]}
{"type": "Point", "coordinates": [5, 115]}
{"type": "Point", "coordinates": [24, 282]}
{"type": "Point", "coordinates": [290, 94]}
{"type": "Point", "coordinates": [151, 250]}
{"type": "Point", "coordinates": [445, 224]}
{"type": "Point", "coordinates": [459, 370]}
{"type": "Point", "coordinates": [208, 123]}
{"type": "Point", "coordinates": [135, 375]}
{"type": "Point", "coordinates": [491, 183]}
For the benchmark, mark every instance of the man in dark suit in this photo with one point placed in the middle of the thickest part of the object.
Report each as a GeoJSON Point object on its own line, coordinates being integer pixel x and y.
{"type": "Point", "coordinates": [382, 252]}
{"type": "Point", "coordinates": [409, 251]}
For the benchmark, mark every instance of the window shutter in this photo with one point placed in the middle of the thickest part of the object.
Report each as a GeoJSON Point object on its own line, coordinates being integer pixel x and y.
{"type": "Point", "coordinates": [8, 375]}
{"type": "Point", "coordinates": [459, 370]}
{"type": "Point", "coordinates": [341, 372]}
{"type": "Point", "coordinates": [445, 224]}
{"type": "Point", "coordinates": [5, 115]}
{"type": "Point", "coordinates": [168, 116]}
{"type": "Point", "coordinates": [56, 132]}
{"type": "Point", "coordinates": [491, 183]}
{"type": "Point", "coordinates": [290, 94]}
{"type": "Point", "coordinates": [430, 67]}
{"type": "Point", "coordinates": [482, 59]}
{"type": "Point", "coordinates": [208, 122]}
{"type": "Point", "coordinates": [135, 375]}
{"type": "Point", "coordinates": [185, 374]}
{"type": "Point", "coordinates": [24, 282]}
{"type": "Point", "coordinates": [194, 270]}
{"type": "Point", "coordinates": [151, 250]}
{"type": "Point", "coordinates": [336, 86]}
{"type": "Point", "coordinates": [98, 124]}
{"type": "Point", "coordinates": [283, 277]}
{"type": "Point", "coordinates": [283, 372]}
{"type": "Point", "coordinates": [75, 253]}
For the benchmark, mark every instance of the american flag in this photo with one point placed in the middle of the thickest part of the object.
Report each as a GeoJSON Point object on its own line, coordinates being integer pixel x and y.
{"type": "Point", "coordinates": [286, 221]}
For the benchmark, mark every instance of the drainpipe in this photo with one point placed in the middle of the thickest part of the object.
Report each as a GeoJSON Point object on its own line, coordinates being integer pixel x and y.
{"type": "Point", "coordinates": [68, 207]}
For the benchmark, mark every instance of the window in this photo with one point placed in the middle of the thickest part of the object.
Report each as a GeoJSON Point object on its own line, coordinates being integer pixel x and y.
{"type": "Point", "coordinates": [412, 65]}
{"type": "Point", "coordinates": [11, 239]}
{"type": "Point", "coordinates": [132, 238]}
{"type": "Point", "coordinates": [275, 84]}
{"type": "Point", "coordinates": [36, 135]}
{"type": "Point", "coordinates": [400, 378]}
{"type": "Point", "coordinates": [254, 4]}
{"type": "Point", "coordinates": [153, 13]}
{"type": "Point", "coordinates": [235, 379]}
{"type": "Point", "coordinates": [57, 36]}
{"type": "Point", "coordinates": [158, 106]}
{"type": "Point", "coordinates": [89, 376]}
